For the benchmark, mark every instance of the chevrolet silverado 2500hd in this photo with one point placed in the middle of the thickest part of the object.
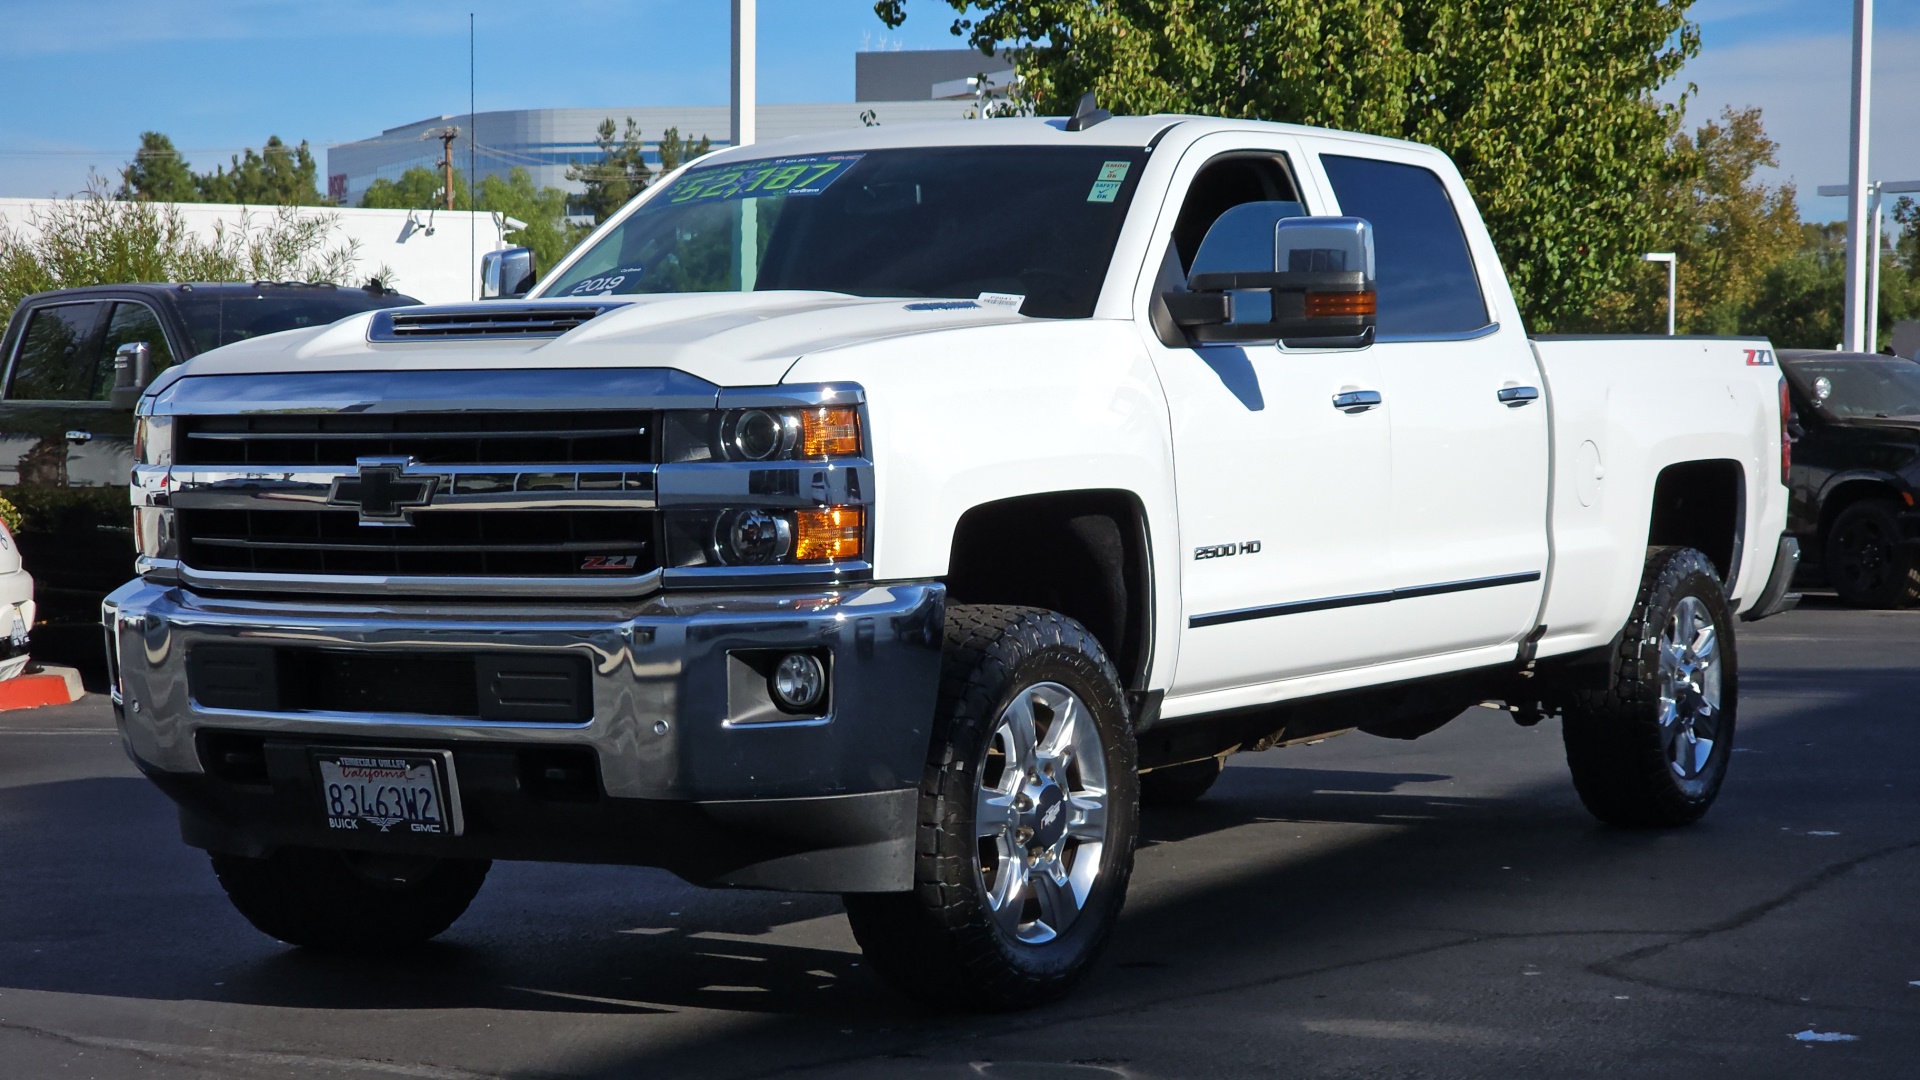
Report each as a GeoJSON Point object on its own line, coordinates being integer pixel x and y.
{"type": "Point", "coordinates": [891, 513]}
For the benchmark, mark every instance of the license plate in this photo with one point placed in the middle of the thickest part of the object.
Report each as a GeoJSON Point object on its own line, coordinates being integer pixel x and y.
{"type": "Point", "coordinates": [389, 791]}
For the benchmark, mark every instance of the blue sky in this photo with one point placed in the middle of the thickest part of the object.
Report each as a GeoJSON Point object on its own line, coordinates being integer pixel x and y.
{"type": "Point", "coordinates": [83, 80]}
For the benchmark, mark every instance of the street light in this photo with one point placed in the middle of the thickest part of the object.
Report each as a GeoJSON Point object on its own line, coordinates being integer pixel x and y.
{"type": "Point", "coordinates": [1858, 330]}
{"type": "Point", "coordinates": [1870, 339]}
{"type": "Point", "coordinates": [1673, 266]}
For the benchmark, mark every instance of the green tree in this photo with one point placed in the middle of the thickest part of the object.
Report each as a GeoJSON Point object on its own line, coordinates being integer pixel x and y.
{"type": "Point", "coordinates": [278, 175]}
{"type": "Point", "coordinates": [1728, 228]}
{"type": "Point", "coordinates": [94, 239]}
{"type": "Point", "coordinates": [676, 151]}
{"type": "Point", "coordinates": [622, 171]}
{"type": "Point", "coordinates": [1548, 109]}
{"type": "Point", "coordinates": [619, 174]}
{"type": "Point", "coordinates": [418, 188]}
{"type": "Point", "coordinates": [157, 172]}
{"type": "Point", "coordinates": [548, 233]}
{"type": "Point", "coordinates": [546, 230]}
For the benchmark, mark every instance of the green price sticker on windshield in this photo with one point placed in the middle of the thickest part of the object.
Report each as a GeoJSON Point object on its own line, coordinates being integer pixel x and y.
{"type": "Point", "coordinates": [761, 179]}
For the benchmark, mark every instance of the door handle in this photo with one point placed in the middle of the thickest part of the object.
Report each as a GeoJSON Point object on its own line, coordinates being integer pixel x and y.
{"type": "Point", "coordinates": [79, 436]}
{"type": "Point", "coordinates": [1356, 401]}
{"type": "Point", "coordinates": [1515, 396]}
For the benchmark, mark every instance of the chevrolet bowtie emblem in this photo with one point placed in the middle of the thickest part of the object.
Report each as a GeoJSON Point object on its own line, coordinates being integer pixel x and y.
{"type": "Point", "coordinates": [382, 491]}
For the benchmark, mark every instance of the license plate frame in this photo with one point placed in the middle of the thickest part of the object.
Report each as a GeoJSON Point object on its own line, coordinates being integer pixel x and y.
{"type": "Point", "coordinates": [393, 780]}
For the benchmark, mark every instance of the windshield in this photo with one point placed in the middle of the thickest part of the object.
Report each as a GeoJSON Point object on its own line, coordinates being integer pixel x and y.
{"type": "Point", "coordinates": [1033, 223]}
{"type": "Point", "coordinates": [1859, 388]}
{"type": "Point", "coordinates": [214, 320]}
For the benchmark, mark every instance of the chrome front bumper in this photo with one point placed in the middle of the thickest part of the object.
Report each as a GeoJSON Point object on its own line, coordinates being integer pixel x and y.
{"type": "Point", "coordinates": [673, 724]}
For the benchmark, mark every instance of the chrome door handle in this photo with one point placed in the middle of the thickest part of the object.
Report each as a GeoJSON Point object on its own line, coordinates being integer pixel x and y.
{"type": "Point", "coordinates": [79, 436]}
{"type": "Point", "coordinates": [1515, 396]}
{"type": "Point", "coordinates": [1356, 401]}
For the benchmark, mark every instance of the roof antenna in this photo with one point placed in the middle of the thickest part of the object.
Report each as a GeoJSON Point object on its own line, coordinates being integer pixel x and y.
{"type": "Point", "coordinates": [1087, 113]}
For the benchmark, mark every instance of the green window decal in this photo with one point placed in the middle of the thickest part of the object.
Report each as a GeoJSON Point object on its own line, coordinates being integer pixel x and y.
{"type": "Point", "coordinates": [758, 179]}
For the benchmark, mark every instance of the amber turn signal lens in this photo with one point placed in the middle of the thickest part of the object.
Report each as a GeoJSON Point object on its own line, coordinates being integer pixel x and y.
{"type": "Point", "coordinates": [832, 431]}
{"type": "Point", "coordinates": [1322, 305]}
{"type": "Point", "coordinates": [838, 532]}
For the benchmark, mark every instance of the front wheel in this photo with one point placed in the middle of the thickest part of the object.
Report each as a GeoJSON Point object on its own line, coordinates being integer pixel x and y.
{"type": "Point", "coordinates": [1028, 812]}
{"type": "Point", "coordinates": [1651, 750]}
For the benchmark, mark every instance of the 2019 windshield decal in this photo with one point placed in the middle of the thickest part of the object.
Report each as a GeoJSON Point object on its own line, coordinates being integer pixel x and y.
{"type": "Point", "coordinates": [760, 179]}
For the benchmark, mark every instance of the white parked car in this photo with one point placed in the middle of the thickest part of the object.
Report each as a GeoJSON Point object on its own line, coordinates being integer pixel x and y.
{"type": "Point", "coordinates": [892, 512]}
{"type": "Point", "coordinates": [16, 607]}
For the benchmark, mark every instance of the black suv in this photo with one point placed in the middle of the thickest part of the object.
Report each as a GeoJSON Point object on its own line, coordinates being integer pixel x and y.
{"type": "Point", "coordinates": [1856, 473]}
{"type": "Point", "coordinates": [68, 437]}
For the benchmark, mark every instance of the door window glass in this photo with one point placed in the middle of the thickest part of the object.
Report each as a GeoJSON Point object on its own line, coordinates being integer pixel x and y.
{"type": "Point", "coordinates": [130, 323]}
{"type": "Point", "coordinates": [55, 361]}
{"type": "Point", "coordinates": [1424, 274]}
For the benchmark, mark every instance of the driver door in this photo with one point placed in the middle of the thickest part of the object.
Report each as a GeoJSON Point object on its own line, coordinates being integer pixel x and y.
{"type": "Point", "coordinates": [1284, 496]}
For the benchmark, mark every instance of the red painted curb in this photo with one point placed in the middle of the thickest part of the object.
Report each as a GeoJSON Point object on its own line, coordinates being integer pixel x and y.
{"type": "Point", "coordinates": [32, 691]}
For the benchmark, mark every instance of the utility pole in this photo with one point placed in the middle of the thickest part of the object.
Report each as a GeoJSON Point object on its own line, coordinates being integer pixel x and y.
{"type": "Point", "coordinates": [1861, 252]}
{"type": "Point", "coordinates": [446, 135]}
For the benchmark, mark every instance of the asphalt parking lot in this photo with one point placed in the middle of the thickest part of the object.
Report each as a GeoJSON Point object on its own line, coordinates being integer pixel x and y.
{"type": "Point", "coordinates": [1357, 908]}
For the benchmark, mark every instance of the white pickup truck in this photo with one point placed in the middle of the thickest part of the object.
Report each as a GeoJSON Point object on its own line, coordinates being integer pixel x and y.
{"type": "Point", "coordinates": [892, 513]}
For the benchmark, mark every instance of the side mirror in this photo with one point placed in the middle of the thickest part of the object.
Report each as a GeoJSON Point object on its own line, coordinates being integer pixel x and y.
{"type": "Point", "coordinates": [1262, 274]}
{"type": "Point", "coordinates": [132, 370]}
{"type": "Point", "coordinates": [506, 274]}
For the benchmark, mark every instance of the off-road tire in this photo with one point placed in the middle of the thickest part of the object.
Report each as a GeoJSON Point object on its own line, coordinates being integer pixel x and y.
{"type": "Point", "coordinates": [349, 902]}
{"type": "Point", "coordinates": [1180, 785]}
{"type": "Point", "coordinates": [940, 943]}
{"type": "Point", "coordinates": [1865, 560]}
{"type": "Point", "coordinates": [1613, 736]}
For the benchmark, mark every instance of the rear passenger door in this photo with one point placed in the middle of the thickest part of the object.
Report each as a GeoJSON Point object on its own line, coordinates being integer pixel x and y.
{"type": "Point", "coordinates": [1465, 399]}
{"type": "Point", "coordinates": [65, 457]}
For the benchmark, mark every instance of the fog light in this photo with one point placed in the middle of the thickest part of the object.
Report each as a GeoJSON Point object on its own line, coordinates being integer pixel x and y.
{"type": "Point", "coordinates": [799, 682]}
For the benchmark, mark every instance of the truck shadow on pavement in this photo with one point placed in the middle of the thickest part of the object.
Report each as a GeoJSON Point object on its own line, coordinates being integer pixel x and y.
{"type": "Point", "coordinates": [1279, 874]}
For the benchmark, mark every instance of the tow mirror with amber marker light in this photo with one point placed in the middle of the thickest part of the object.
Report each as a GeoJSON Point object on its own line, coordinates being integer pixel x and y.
{"type": "Point", "coordinates": [1312, 288]}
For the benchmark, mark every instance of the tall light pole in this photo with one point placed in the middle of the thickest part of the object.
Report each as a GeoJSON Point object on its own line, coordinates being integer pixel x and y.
{"type": "Point", "coordinates": [746, 223]}
{"type": "Point", "coordinates": [1673, 280]}
{"type": "Point", "coordinates": [1876, 191]}
{"type": "Point", "coordinates": [744, 33]}
{"type": "Point", "coordinates": [1861, 255]}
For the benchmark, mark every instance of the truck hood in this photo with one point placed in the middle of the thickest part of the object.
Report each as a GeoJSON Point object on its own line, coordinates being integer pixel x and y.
{"type": "Point", "coordinates": [729, 339]}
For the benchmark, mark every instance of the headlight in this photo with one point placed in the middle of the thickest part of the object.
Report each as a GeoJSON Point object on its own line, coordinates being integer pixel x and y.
{"type": "Point", "coordinates": [790, 434]}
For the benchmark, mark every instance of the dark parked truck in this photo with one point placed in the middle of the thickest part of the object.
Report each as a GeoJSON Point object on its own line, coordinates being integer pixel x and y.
{"type": "Point", "coordinates": [890, 513]}
{"type": "Point", "coordinates": [1856, 473]}
{"type": "Point", "coordinates": [66, 442]}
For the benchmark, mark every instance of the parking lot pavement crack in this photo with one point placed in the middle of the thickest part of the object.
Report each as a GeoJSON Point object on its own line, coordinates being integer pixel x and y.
{"type": "Point", "coordinates": [240, 1063]}
{"type": "Point", "coordinates": [1615, 967]}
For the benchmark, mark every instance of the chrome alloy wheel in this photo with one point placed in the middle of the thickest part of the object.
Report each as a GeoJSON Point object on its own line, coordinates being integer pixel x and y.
{"type": "Point", "coordinates": [1689, 689]}
{"type": "Point", "coordinates": [1040, 813]}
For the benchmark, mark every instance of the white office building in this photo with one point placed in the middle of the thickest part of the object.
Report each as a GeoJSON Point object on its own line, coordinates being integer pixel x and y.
{"type": "Point", "coordinates": [890, 87]}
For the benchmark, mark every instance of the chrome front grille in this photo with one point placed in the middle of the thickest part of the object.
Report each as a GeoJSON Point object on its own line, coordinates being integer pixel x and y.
{"type": "Point", "coordinates": [477, 438]}
{"type": "Point", "coordinates": [483, 495]}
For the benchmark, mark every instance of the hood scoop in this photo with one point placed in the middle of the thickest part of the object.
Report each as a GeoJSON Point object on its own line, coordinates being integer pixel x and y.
{"type": "Point", "coordinates": [490, 319]}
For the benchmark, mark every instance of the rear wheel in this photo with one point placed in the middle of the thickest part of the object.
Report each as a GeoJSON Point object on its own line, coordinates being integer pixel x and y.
{"type": "Point", "coordinates": [1866, 561]}
{"type": "Point", "coordinates": [1651, 750]}
{"type": "Point", "coordinates": [1028, 810]}
{"type": "Point", "coordinates": [1178, 785]}
{"type": "Point", "coordinates": [349, 901]}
